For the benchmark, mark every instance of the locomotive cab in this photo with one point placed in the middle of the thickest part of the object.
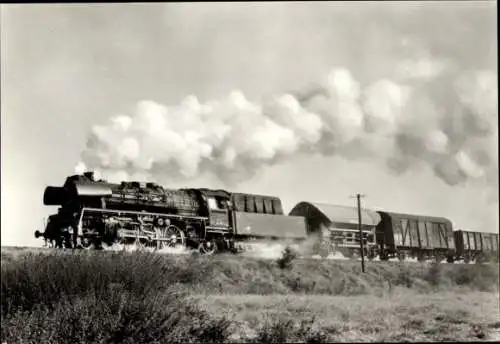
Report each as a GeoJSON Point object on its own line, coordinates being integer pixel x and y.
{"type": "Point", "coordinates": [218, 204]}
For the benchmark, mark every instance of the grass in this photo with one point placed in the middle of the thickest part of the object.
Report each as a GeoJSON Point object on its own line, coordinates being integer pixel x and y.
{"type": "Point", "coordinates": [400, 316]}
{"type": "Point", "coordinates": [111, 297]}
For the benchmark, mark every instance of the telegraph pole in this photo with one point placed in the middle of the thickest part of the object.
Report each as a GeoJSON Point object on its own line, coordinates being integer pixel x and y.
{"type": "Point", "coordinates": [361, 244]}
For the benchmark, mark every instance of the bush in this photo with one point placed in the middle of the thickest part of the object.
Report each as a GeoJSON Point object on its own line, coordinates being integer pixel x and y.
{"type": "Point", "coordinates": [434, 274]}
{"type": "Point", "coordinates": [311, 334]}
{"type": "Point", "coordinates": [287, 331]}
{"type": "Point", "coordinates": [478, 276]}
{"type": "Point", "coordinates": [404, 278]}
{"type": "Point", "coordinates": [277, 332]}
{"type": "Point", "coordinates": [41, 278]}
{"type": "Point", "coordinates": [287, 258]}
{"type": "Point", "coordinates": [97, 298]}
{"type": "Point", "coordinates": [118, 317]}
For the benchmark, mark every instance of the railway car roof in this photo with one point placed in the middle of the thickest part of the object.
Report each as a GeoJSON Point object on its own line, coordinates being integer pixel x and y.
{"type": "Point", "coordinates": [239, 194]}
{"type": "Point", "coordinates": [213, 192]}
{"type": "Point", "coordinates": [416, 217]}
{"type": "Point", "coordinates": [470, 231]}
{"type": "Point", "coordinates": [337, 213]}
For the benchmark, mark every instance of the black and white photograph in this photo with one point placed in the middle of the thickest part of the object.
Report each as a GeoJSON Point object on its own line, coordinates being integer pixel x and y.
{"type": "Point", "coordinates": [249, 172]}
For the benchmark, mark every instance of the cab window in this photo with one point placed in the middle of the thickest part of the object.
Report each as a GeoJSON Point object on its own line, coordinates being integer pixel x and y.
{"type": "Point", "coordinates": [212, 203]}
{"type": "Point", "coordinates": [216, 203]}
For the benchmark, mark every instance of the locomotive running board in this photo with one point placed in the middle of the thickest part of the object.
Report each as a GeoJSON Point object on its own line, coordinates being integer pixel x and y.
{"type": "Point", "coordinates": [131, 212]}
{"type": "Point", "coordinates": [350, 230]}
{"type": "Point", "coordinates": [219, 230]}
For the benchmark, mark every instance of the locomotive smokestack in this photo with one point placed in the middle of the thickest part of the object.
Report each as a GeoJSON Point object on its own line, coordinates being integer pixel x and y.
{"type": "Point", "coordinates": [89, 175]}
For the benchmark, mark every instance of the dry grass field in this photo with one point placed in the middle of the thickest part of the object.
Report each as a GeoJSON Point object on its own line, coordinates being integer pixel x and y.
{"type": "Point", "coordinates": [402, 316]}
{"type": "Point", "coordinates": [118, 297]}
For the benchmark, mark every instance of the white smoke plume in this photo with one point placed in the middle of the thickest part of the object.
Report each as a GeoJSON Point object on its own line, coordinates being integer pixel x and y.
{"type": "Point", "coordinates": [423, 114]}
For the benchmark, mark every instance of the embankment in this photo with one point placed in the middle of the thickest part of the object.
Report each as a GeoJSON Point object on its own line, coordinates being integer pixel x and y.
{"type": "Point", "coordinates": [98, 296]}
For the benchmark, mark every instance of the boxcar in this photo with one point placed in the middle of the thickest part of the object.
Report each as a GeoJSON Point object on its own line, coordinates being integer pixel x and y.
{"type": "Point", "coordinates": [415, 236]}
{"type": "Point", "coordinates": [476, 245]}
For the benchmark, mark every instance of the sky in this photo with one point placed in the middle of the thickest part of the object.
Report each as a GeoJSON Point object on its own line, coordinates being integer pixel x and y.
{"type": "Point", "coordinates": [266, 96]}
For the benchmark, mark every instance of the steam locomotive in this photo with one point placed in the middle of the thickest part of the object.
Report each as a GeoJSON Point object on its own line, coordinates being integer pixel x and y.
{"type": "Point", "coordinates": [145, 214]}
{"type": "Point", "coordinates": [94, 213]}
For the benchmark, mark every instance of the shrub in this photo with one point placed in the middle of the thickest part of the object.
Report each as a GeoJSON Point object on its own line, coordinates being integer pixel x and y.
{"type": "Point", "coordinates": [287, 258]}
{"type": "Point", "coordinates": [478, 276]}
{"type": "Point", "coordinates": [118, 317]}
{"type": "Point", "coordinates": [311, 334]}
{"type": "Point", "coordinates": [41, 278]}
{"type": "Point", "coordinates": [404, 278]}
{"type": "Point", "coordinates": [97, 298]}
{"type": "Point", "coordinates": [287, 331]}
{"type": "Point", "coordinates": [434, 274]}
{"type": "Point", "coordinates": [280, 331]}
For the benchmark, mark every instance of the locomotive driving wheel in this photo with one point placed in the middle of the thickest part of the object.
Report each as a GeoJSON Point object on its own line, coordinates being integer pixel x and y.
{"type": "Point", "coordinates": [148, 244]}
{"type": "Point", "coordinates": [170, 236]}
{"type": "Point", "coordinates": [383, 255]}
{"type": "Point", "coordinates": [144, 242]}
{"type": "Point", "coordinates": [207, 247]}
{"type": "Point", "coordinates": [86, 243]}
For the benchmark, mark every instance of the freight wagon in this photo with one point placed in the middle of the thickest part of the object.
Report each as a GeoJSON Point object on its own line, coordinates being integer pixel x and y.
{"type": "Point", "coordinates": [414, 236]}
{"type": "Point", "coordinates": [476, 245]}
